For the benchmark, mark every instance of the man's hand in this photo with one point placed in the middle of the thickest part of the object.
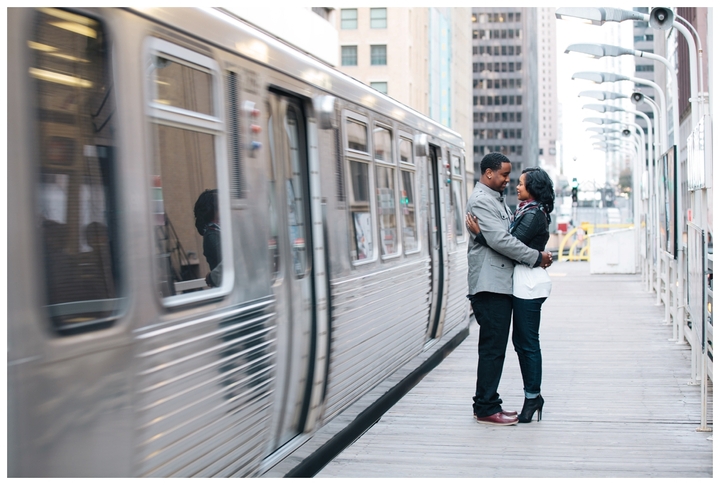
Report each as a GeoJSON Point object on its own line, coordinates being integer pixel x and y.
{"type": "Point", "coordinates": [546, 259]}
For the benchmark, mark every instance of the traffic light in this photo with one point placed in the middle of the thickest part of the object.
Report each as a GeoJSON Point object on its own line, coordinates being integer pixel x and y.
{"type": "Point", "coordinates": [575, 185]}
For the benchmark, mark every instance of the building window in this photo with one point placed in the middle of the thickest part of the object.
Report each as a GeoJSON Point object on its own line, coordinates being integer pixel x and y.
{"type": "Point", "coordinates": [349, 55]}
{"type": "Point", "coordinates": [378, 55]}
{"type": "Point", "coordinates": [379, 86]}
{"type": "Point", "coordinates": [348, 18]}
{"type": "Point", "coordinates": [378, 18]}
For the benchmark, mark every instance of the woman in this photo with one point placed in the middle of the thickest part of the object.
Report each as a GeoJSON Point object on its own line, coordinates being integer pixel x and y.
{"type": "Point", "coordinates": [207, 224]}
{"type": "Point", "coordinates": [531, 286]}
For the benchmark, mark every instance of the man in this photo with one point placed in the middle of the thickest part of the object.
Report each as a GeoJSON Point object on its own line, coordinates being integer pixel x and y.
{"type": "Point", "coordinates": [490, 271]}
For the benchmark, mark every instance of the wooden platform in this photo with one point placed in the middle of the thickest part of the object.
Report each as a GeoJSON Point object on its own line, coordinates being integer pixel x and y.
{"type": "Point", "coordinates": [618, 402]}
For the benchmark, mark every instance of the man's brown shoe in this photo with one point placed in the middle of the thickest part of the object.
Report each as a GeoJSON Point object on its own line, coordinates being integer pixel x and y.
{"type": "Point", "coordinates": [506, 413]}
{"type": "Point", "coordinates": [498, 419]}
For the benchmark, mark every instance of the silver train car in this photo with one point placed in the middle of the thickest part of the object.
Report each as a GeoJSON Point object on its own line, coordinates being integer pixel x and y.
{"type": "Point", "coordinates": [341, 244]}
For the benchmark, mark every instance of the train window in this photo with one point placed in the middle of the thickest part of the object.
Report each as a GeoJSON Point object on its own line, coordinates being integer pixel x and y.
{"type": "Point", "coordinates": [382, 144]}
{"type": "Point", "coordinates": [458, 207]}
{"type": "Point", "coordinates": [295, 202]}
{"type": "Point", "coordinates": [456, 170]}
{"type": "Point", "coordinates": [407, 197]}
{"type": "Point", "coordinates": [386, 191]}
{"type": "Point", "coordinates": [76, 190]}
{"type": "Point", "coordinates": [407, 205]}
{"type": "Point", "coordinates": [273, 240]}
{"type": "Point", "coordinates": [356, 135]}
{"type": "Point", "coordinates": [183, 86]}
{"type": "Point", "coordinates": [187, 201]}
{"type": "Point", "coordinates": [362, 243]}
{"type": "Point", "coordinates": [360, 209]}
{"type": "Point", "coordinates": [385, 177]}
{"type": "Point", "coordinates": [406, 151]}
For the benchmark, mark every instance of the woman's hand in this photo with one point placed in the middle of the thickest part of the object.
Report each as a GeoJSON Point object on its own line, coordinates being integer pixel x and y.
{"type": "Point", "coordinates": [471, 224]}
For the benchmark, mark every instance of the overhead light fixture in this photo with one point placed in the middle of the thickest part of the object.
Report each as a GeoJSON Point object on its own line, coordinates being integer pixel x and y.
{"type": "Point", "coordinates": [597, 16]}
{"type": "Point", "coordinates": [58, 78]}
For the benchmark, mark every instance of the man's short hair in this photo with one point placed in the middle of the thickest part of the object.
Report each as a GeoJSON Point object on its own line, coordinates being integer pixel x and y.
{"type": "Point", "coordinates": [493, 161]}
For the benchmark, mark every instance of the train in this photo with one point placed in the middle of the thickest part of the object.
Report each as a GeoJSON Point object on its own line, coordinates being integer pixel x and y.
{"type": "Point", "coordinates": [341, 243]}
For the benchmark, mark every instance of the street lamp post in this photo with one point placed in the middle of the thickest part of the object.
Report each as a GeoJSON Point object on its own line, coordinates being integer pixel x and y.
{"type": "Point", "coordinates": [637, 152]}
{"type": "Point", "coordinates": [637, 97]}
{"type": "Point", "coordinates": [654, 235]}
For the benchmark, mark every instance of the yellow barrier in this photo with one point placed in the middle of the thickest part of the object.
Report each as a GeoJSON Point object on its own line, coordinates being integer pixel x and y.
{"type": "Point", "coordinates": [584, 254]}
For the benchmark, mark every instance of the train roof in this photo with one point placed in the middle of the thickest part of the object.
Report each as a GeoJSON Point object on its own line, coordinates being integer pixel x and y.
{"type": "Point", "coordinates": [221, 28]}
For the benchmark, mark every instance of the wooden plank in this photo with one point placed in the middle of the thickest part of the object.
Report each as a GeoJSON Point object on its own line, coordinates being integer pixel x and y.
{"type": "Point", "coordinates": [618, 402]}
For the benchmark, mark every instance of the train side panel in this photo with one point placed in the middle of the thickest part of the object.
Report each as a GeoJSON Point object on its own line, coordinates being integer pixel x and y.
{"type": "Point", "coordinates": [341, 255]}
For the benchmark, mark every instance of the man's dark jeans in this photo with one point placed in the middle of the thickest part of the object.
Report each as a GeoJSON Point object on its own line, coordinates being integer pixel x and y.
{"type": "Point", "coordinates": [492, 312]}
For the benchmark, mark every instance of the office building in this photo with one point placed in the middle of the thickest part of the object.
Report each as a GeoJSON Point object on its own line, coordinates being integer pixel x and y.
{"type": "Point", "coordinates": [505, 88]}
{"type": "Point", "coordinates": [417, 55]}
{"type": "Point", "coordinates": [547, 90]}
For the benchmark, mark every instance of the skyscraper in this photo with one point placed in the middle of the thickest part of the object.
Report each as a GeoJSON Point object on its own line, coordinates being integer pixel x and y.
{"type": "Point", "coordinates": [505, 88]}
{"type": "Point", "coordinates": [547, 89]}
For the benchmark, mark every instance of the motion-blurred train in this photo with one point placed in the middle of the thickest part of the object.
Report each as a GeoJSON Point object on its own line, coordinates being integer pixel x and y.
{"type": "Point", "coordinates": [342, 244]}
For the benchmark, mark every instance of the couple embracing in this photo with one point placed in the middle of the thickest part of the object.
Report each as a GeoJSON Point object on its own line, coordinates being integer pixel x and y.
{"type": "Point", "coordinates": [507, 280]}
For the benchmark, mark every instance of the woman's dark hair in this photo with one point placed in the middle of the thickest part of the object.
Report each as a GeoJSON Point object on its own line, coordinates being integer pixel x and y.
{"type": "Point", "coordinates": [538, 183]}
{"type": "Point", "coordinates": [205, 209]}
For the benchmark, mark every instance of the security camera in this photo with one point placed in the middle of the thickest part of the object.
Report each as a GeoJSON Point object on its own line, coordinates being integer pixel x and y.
{"type": "Point", "coordinates": [661, 18]}
{"type": "Point", "coordinates": [637, 97]}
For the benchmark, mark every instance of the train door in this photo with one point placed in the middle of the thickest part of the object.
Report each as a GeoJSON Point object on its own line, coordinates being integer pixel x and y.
{"type": "Point", "coordinates": [293, 280]}
{"type": "Point", "coordinates": [436, 242]}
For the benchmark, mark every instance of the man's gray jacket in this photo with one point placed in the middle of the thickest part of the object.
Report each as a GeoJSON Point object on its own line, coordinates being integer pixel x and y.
{"type": "Point", "coordinates": [490, 268]}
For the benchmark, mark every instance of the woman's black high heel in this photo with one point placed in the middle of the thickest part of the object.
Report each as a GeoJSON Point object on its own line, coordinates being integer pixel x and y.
{"type": "Point", "coordinates": [529, 408]}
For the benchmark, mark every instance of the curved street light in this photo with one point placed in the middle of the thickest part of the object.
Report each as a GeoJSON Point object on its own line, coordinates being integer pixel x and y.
{"type": "Point", "coordinates": [602, 95]}
{"type": "Point", "coordinates": [603, 121]}
{"type": "Point", "coordinates": [597, 129]}
{"type": "Point", "coordinates": [605, 50]}
{"type": "Point", "coordinates": [605, 77]}
{"type": "Point", "coordinates": [597, 16]}
{"type": "Point", "coordinates": [659, 18]}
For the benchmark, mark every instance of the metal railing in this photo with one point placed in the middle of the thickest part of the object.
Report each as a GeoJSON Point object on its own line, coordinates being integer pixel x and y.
{"type": "Point", "coordinates": [699, 312]}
